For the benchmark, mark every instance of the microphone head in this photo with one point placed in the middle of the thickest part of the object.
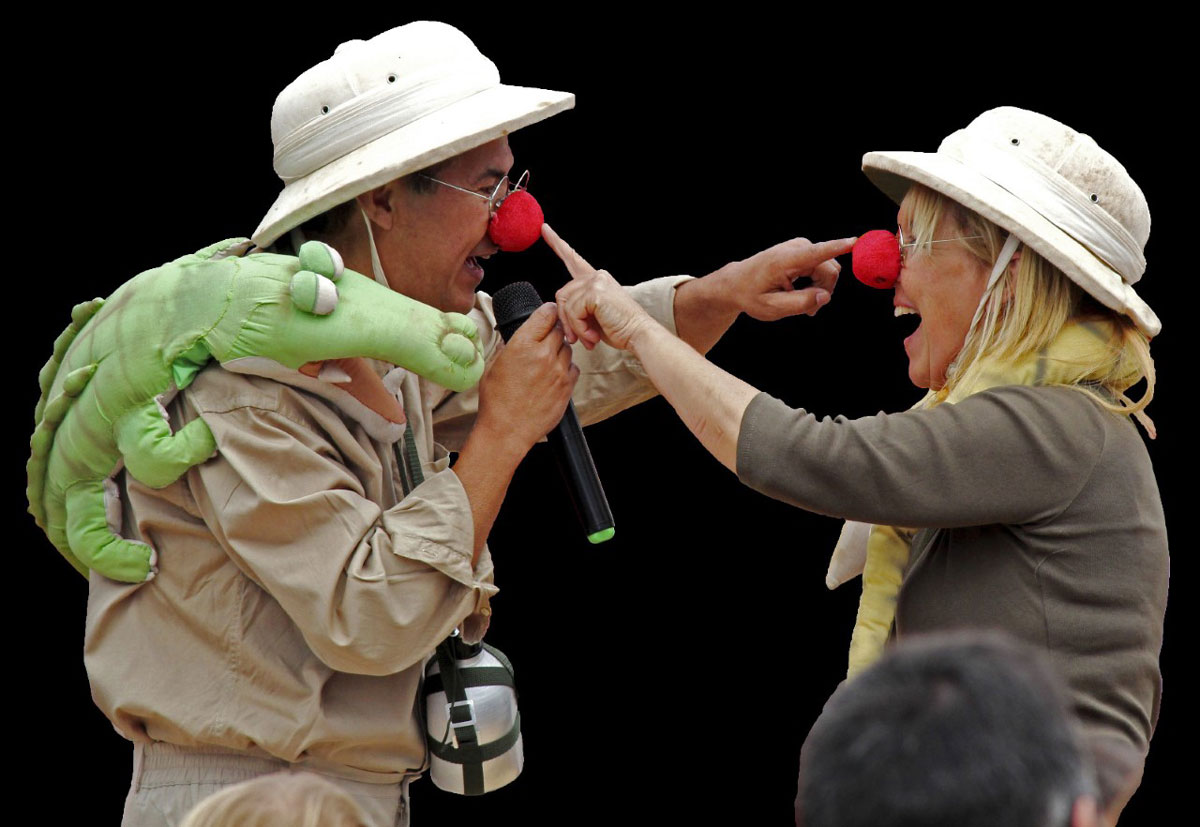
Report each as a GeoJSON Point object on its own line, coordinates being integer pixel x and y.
{"type": "Point", "coordinates": [512, 305]}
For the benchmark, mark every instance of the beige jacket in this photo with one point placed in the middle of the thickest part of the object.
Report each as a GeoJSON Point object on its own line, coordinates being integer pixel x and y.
{"type": "Point", "coordinates": [299, 591]}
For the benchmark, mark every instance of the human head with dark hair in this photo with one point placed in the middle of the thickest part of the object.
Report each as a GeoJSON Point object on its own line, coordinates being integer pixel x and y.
{"type": "Point", "coordinates": [380, 149]}
{"type": "Point", "coordinates": [960, 730]}
{"type": "Point", "coordinates": [294, 799]}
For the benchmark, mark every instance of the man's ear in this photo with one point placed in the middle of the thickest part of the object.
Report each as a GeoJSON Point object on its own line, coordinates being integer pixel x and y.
{"type": "Point", "coordinates": [379, 206]}
{"type": "Point", "coordinates": [1084, 813]}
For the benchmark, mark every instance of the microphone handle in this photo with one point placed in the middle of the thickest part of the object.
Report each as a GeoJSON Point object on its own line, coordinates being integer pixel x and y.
{"type": "Point", "coordinates": [574, 460]}
{"type": "Point", "coordinates": [514, 304]}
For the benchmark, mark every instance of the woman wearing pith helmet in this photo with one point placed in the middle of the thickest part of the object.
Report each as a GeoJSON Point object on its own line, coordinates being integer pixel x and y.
{"type": "Point", "coordinates": [1018, 494]}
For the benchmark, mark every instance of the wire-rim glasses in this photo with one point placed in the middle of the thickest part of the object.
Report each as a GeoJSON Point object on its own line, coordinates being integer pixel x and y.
{"type": "Point", "coordinates": [498, 194]}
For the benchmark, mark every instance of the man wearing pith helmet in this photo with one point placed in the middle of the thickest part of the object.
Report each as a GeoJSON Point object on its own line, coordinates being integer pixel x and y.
{"type": "Point", "coordinates": [309, 569]}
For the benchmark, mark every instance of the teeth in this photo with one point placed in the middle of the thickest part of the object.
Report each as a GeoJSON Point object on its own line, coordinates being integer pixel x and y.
{"type": "Point", "coordinates": [904, 311]}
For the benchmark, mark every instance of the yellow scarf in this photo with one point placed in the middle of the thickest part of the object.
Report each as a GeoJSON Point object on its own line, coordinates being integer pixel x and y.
{"type": "Point", "coordinates": [1069, 360]}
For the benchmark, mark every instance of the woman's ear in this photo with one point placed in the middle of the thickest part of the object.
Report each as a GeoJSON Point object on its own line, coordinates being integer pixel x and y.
{"type": "Point", "coordinates": [1014, 265]}
{"type": "Point", "coordinates": [1015, 261]}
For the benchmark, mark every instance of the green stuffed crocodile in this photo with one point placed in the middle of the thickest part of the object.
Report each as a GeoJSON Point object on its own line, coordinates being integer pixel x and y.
{"type": "Point", "coordinates": [112, 370]}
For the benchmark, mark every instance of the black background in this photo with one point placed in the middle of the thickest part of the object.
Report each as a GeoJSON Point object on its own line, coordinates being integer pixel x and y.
{"type": "Point", "coordinates": [674, 671]}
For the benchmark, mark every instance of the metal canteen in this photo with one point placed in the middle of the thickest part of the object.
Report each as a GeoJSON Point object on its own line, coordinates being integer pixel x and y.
{"type": "Point", "coordinates": [486, 717]}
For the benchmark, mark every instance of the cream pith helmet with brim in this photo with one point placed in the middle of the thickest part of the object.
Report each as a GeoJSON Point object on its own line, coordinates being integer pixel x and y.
{"type": "Point", "coordinates": [1053, 188]}
{"type": "Point", "coordinates": [382, 108]}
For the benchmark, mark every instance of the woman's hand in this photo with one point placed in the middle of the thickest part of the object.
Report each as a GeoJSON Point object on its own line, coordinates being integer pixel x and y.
{"type": "Point", "coordinates": [592, 306]}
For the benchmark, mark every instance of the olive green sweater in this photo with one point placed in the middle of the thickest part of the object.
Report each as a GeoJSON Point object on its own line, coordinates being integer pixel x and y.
{"type": "Point", "coordinates": [1039, 515]}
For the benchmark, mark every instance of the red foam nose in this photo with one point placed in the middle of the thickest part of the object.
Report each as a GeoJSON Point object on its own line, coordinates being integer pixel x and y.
{"type": "Point", "coordinates": [518, 222]}
{"type": "Point", "coordinates": [876, 259]}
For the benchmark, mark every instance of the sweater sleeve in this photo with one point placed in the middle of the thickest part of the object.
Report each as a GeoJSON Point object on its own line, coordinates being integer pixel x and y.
{"type": "Point", "coordinates": [1007, 455]}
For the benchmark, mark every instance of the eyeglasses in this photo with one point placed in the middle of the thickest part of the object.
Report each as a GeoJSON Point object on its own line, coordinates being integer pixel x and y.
{"type": "Point", "coordinates": [903, 245]}
{"type": "Point", "coordinates": [498, 194]}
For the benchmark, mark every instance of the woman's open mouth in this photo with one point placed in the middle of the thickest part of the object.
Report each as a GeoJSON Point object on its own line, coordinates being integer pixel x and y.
{"type": "Point", "coordinates": [905, 310]}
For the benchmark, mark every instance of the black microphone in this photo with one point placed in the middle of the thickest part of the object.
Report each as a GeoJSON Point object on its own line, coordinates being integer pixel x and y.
{"type": "Point", "coordinates": [513, 304]}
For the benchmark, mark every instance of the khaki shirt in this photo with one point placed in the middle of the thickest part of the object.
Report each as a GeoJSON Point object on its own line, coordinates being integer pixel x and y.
{"type": "Point", "coordinates": [299, 590]}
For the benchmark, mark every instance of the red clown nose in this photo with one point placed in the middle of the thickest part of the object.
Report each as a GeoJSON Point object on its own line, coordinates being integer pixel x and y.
{"type": "Point", "coordinates": [876, 259]}
{"type": "Point", "coordinates": [518, 222]}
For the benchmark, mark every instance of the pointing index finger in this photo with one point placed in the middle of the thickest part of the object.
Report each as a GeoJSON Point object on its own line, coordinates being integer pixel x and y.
{"type": "Point", "coordinates": [576, 265]}
{"type": "Point", "coordinates": [825, 250]}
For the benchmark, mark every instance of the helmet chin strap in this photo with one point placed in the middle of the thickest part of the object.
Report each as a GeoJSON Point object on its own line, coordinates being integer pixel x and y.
{"type": "Point", "coordinates": [1002, 261]}
{"type": "Point", "coordinates": [297, 238]}
{"type": "Point", "coordinates": [376, 265]}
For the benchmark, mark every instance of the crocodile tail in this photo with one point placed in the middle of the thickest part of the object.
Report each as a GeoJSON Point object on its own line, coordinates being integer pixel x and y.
{"type": "Point", "coordinates": [80, 315]}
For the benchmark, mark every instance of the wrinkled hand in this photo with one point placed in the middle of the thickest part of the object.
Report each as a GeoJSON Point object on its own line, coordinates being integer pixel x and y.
{"type": "Point", "coordinates": [593, 307]}
{"type": "Point", "coordinates": [525, 390]}
{"type": "Point", "coordinates": [762, 286]}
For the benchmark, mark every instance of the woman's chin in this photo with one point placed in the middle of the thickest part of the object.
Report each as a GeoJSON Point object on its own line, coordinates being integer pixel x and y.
{"type": "Point", "coordinates": [918, 374]}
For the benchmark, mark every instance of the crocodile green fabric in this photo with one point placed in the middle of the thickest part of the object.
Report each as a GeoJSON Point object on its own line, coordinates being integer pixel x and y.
{"type": "Point", "coordinates": [103, 387]}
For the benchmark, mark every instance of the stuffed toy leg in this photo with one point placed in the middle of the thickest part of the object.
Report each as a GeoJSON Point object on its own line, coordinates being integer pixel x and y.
{"type": "Point", "coordinates": [104, 388]}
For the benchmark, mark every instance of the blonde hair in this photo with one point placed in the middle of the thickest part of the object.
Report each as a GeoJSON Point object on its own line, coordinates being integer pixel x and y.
{"type": "Point", "coordinates": [1027, 308]}
{"type": "Point", "coordinates": [282, 799]}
